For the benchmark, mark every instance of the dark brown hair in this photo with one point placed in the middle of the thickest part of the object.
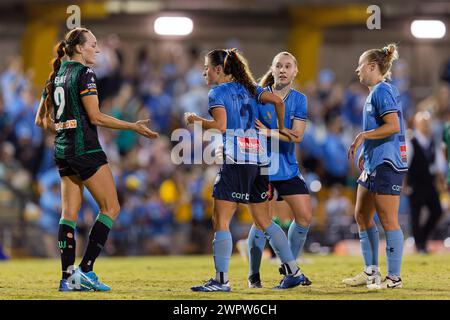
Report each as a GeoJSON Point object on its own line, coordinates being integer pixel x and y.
{"type": "Point", "coordinates": [235, 64]}
{"type": "Point", "coordinates": [67, 46]}
{"type": "Point", "coordinates": [268, 79]}
{"type": "Point", "coordinates": [384, 58]}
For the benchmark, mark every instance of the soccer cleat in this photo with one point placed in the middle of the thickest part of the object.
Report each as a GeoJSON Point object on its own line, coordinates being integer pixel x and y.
{"type": "Point", "coordinates": [212, 285]}
{"type": "Point", "coordinates": [293, 280]}
{"type": "Point", "coordinates": [254, 281]}
{"type": "Point", "coordinates": [387, 283]}
{"type": "Point", "coordinates": [362, 279]}
{"type": "Point", "coordinates": [88, 281]}
{"type": "Point", "coordinates": [65, 286]}
{"type": "Point", "coordinates": [374, 279]}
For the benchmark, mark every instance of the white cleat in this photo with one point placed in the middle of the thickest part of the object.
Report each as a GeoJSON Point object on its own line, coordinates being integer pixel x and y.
{"type": "Point", "coordinates": [374, 280]}
{"type": "Point", "coordinates": [361, 279]}
{"type": "Point", "coordinates": [387, 283]}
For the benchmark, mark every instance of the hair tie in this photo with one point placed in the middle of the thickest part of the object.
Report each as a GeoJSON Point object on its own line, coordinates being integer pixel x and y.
{"type": "Point", "coordinates": [229, 52]}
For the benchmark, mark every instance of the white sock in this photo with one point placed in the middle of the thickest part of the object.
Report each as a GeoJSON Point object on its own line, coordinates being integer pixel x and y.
{"type": "Point", "coordinates": [371, 269]}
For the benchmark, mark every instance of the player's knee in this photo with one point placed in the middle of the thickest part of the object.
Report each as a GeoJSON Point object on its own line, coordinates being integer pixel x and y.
{"type": "Point", "coordinates": [304, 220]}
{"type": "Point", "coordinates": [388, 222]}
{"type": "Point", "coordinates": [111, 211]}
{"type": "Point", "coordinates": [361, 220]}
{"type": "Point", "coordinates": [221, 224]}
{"type": "Point", "coordinates": [263, 222]}
{"type": "Point", "coordinates": [69, 215]}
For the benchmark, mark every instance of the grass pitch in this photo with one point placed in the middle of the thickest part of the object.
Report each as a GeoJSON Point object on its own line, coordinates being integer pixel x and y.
{"type": "Point", "coordinates": [167, 278]}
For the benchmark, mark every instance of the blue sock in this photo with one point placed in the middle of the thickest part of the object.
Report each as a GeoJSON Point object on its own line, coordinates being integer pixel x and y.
{"type": "Point", "coordinates": [394, 251]}
{"type": "Point", "coordinates": [366, 248]}
{"type": "Point", "coordinates": [280, 245]}
{"type": "Point", "coordinates": [256, 243]}
{"type": "Point", "coordinates": [372, 233]}
{"type": "Point", "coordinates": [297, 237]}
{"type": "Point", "coordinates": [222, 249]}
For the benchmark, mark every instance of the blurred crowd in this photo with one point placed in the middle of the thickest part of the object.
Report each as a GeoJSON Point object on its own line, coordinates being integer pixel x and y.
{"type": "Point", "coordinates": [166, 208]}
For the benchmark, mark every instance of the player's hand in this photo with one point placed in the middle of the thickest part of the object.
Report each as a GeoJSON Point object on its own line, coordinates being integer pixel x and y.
{"type": "Point", "coordinates": [361, 161]}
{"type": "Point", "coordinates": [189, 117]}
{"type": "Point", "coordinates": [142, 128]}
{"type": "Point", "coordinates": [48, 124]}
{"type": "Point", "coordinates": [263, 130]}
{"type": "Point", "coordinates": [219, 154]}
{"type": "Point", "coordinates": [355, 145]}
{"type": "Point", "coordinates": [289, 133]}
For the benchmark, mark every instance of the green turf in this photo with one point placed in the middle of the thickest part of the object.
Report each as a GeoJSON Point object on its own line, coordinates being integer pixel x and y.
{"type": "Point", "coordinates": [165, 278]}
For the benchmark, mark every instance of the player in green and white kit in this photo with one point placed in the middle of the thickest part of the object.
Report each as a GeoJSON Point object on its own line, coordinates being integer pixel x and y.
{"type": "Point", "coordinates": [69, 107]}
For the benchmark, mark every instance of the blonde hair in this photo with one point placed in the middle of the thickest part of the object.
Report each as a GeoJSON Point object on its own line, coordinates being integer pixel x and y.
{"type": "Point", "coordinates": [384, 58]}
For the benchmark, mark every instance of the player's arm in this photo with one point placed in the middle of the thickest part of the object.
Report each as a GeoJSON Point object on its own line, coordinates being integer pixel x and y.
{"type": "Point", "coordinates": [98, 118]}
{"type": "Point", "coordinates": [298, 130]}
{"type": "Point", "coordinates": [218, 122]}
{"type": "Point", "coordinates": [390, 126]}
{"type": "Point", "coordinates": [280, 109]}
{"type": "Point", "coordinates": [40, 114]}
{"type": "Point", "coordinates": [43, 118]}
{"type": "Point", "coordinates": [268, 97]}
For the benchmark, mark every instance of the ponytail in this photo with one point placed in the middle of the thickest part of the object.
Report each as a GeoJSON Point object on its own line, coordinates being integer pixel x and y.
{"type": "Point", "coordinates": [267, 80]}
{"type": "Point", "coordinates": [234, 64]}
{"type": "Point", "coordinates": [384, 58]}
{"type": "Point", "coordinates": [66, 47]}
{"type": "Point", "coordinates": [391, 54]}
{"type": "Point", "coordinates": [56, 63]}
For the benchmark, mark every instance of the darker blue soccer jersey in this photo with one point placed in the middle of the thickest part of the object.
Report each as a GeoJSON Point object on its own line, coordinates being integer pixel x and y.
{"type": "Point", "coordinates": [241, 141]}
{"type": "Point", "coordinates": [283, 164]}
{"type": "Point", "coordinates": [384, 99]}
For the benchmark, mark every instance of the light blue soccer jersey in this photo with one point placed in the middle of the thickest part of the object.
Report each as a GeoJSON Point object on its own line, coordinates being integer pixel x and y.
{"type": "Point", "coordinates": [283, 164]}
{"type": "Point", "coordinates": [384, 99]}
{"type": "Point", "coordinates": [241, 141]}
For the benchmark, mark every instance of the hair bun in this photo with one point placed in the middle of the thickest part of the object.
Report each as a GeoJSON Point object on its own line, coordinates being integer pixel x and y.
{"type": "Point", "coordinates": [391, 52]}
{"type": "Point", "coordinates": [390, 49]}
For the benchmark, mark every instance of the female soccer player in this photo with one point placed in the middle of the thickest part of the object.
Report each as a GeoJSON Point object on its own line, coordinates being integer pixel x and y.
{"type": "Point", "coordinates": [233, 104]}
{"type": "Point", "coordinates": [285, 177]}
{"type": "Point", "coordinates": [383, 163]}
{"type": "Point", "coordinates": [70, 108]}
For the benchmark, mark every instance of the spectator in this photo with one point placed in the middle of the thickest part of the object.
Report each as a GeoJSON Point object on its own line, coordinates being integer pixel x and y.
{"type": "Point", "coordinates": [334, 154]}
{"type": "Point", "coordinates": [425, 165]}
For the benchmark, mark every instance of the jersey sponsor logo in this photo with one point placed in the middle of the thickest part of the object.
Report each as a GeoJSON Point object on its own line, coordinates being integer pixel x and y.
{"type": "Point", "coordinates": [249, 145]}
{"type": "Point", "coordinates": [240, 196]}
{"type": "Point", "coordinates": [89, 70]}
{"type": "Point", "coordinates": [69, 124]}
{"type": "Point", "coordinates": [403, 153]}
{"type": "Point", "coordinates": [396, 187]}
